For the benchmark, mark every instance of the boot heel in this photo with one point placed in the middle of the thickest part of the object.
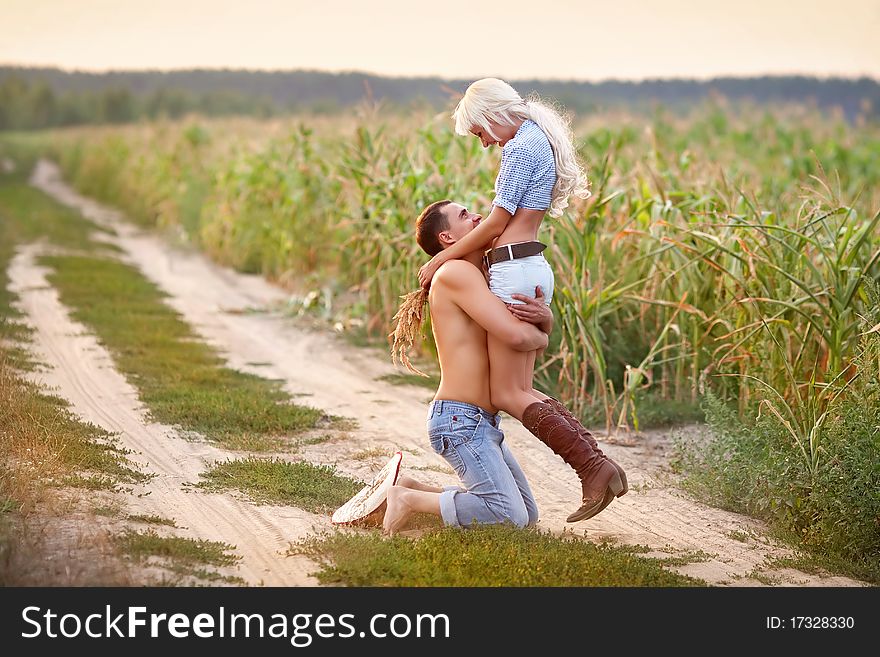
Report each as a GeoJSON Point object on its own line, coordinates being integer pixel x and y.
{"type": "Point", "coordinates": [615, 485]}
{"type": "Point", "coordinates": [622, 475]}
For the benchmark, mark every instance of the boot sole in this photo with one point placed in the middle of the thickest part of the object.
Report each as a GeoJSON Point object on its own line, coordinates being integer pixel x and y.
{"type": "Point", "coordinates": [615, 489]}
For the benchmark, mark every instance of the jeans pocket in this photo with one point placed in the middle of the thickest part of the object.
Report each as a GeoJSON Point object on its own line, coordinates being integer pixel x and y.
{"type": "Point", "coordinates": [443, 445]}
{"type": "Point", "coordinates": [463, 424]}
{"type": "Point", "coordinates": [438, 443]}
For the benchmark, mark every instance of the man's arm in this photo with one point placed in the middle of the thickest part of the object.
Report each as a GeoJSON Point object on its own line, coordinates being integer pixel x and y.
{"type": "Point", "coordinates": [466, 288]}
{"type": "Point", "coordinates": [533, 310]}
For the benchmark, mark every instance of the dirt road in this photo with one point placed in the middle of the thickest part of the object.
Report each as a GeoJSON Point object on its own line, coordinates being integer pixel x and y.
{"type": "Point", "coordinates": [343, 380]}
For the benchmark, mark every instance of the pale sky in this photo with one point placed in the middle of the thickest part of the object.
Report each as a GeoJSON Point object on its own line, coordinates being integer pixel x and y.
{"type": "Point", "coordinates": [551, 39]}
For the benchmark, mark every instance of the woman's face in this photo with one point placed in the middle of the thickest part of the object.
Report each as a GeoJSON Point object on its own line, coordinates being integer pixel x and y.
{"type": "Point", "coordinates": [504, 132]}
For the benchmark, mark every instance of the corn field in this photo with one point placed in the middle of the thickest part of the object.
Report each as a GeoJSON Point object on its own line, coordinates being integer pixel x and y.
{"type": "Point", "coordinates": [729, 248]}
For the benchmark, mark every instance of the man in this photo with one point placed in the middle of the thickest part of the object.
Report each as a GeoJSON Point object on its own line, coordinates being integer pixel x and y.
{"type": "Point", "coordinates": [463, 423]}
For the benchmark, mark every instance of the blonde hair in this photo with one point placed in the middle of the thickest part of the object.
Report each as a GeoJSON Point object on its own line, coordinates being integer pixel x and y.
{"type": "Point", "coordinates": [491, 99]}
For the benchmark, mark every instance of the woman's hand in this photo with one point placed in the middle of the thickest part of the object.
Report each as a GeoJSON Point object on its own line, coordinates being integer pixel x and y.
{"type": "Point", "coordinates": [427, 271]}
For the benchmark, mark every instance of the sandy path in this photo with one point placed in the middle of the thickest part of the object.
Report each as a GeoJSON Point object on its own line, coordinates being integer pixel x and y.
{"type": "Point", "coordinates": [82, 372]}
{"type": "Point", "coordinates": [342, 380]}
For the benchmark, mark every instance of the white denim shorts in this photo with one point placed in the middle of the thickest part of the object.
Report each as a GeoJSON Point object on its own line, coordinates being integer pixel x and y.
{"type": "Point", "coordinates": [520, 276]}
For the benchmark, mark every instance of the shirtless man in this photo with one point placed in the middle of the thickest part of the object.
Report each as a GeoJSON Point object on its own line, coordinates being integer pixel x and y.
{"type": "Point", "coordinates": [463, 423]}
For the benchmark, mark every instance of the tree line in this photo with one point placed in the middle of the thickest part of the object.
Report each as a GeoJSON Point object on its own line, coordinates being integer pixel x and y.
{"type": "Point", "coordinates": [32, 98]}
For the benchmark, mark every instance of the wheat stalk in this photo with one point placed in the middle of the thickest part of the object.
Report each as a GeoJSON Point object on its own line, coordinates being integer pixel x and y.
{"type": "Point", "coordinates": [409, 317]}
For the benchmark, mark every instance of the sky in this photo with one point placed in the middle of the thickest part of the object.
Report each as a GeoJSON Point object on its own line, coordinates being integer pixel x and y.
{"type": "Point", "coordinates": [549, 39]}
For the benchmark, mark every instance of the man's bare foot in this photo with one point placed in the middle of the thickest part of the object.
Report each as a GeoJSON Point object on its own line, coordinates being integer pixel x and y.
{"type": "Point", "coordinates": [397, 511]}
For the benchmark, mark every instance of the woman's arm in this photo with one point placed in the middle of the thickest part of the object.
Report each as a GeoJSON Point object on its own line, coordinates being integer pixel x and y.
{"type": "Point", "coordinates": [490, 228]}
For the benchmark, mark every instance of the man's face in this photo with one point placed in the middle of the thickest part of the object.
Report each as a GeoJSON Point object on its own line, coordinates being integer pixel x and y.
{"type": "Point", "coordinates": [461, 221]}
{"type": "Point", "coordinates": [505, 134]}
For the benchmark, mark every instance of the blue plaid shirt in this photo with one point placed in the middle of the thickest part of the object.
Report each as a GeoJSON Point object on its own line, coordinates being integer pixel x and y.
{"type": "Point", "coordinates": [528, 171]}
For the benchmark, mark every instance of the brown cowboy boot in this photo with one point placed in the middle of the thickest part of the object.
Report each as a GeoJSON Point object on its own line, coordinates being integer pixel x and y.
{"type": "Point", "coordinates": [586, 435]}
{"type": "Point", "coordinates": [600, 481]}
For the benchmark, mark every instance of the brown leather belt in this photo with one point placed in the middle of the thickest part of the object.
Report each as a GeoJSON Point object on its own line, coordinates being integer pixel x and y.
{"type": "Point", "coordinates": [513, 251]}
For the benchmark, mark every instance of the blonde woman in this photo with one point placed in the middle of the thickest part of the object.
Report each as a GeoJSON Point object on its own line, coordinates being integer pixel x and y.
{"type": "Point", "coordinates": [539, 172]}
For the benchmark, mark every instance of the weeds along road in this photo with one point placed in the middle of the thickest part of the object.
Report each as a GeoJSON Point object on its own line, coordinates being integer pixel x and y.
{"type": "Point", "coordinates": [241, 316]}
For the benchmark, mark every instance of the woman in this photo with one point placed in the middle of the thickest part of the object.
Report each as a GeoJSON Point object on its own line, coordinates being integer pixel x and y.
{"type": "Point", "coordinates": [539, 172]}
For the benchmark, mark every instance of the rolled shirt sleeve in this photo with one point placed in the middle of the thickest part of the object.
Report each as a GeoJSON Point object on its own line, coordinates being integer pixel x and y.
{"type": "Point", "coordinates": [514, 177]}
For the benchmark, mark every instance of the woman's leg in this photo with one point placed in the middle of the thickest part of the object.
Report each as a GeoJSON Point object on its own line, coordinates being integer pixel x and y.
{"type": "Point", "coordinates": [507, 369]}
{"type": "Point", "coordinates": [529, 373]}
{"type": "Point", "coordinates": [585, 435]}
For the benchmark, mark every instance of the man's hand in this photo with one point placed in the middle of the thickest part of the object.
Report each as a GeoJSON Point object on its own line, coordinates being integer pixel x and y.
{"type": "Point", "coordinates": [427, 271]}
{"type": "Point", "coordinates": [533, 310]}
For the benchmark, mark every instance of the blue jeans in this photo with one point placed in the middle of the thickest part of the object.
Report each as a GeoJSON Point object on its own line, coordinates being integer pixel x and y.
{"type": "Point", "coordinates": [494, 488]}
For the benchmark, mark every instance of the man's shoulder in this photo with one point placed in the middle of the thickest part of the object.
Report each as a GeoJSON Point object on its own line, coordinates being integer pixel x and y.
{"type": "Point", "coordinates": [453, 279]}
{"type": "Point", "coordinates": [453, 272]}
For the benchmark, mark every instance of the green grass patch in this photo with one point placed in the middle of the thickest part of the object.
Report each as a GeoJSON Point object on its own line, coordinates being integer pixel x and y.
{"type": "Point", "coordinates": [494, 555]}
{"type": "Point", "coordinates": [830, 513]}
{"type": "Point", "coordinates": [181, 380]}
{"type": "Point", "coordinates": [152, 520]}
{"type": "Point", "coordinates": [372, 453]}
{"type": "Point", "coordinates": [42, 441]}
{"type": "Point", "coordinates": [94, 482]}
{"type": "Point", "coordinates": [737, 535]}
{"type": "Point", "coordinates": [315, 488]}
{"type": "Point", "coordinates": [185, 556]}
{"type": "Point", "coordinates": [107, 511]}
{"type": "Point", "coordinates": [314, 440]}
{"type": "Point", "coordinates": [685, 558]}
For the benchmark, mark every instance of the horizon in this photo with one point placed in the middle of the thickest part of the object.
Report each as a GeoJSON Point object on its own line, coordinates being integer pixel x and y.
{"type": "Point", "coordinates": [567, 40]}
{"type": "Point", "coordinates": [231, 69]}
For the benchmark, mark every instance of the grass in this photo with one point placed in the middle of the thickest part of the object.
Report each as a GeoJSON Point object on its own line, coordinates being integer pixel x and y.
{"type": "Point", "coordinates": [485, 556]}
{"type": "Point", "coordinates": [830, 514]}
{"type": "Point", "coordinates": [152, 520]}
{"type": "Point", "coordinates": [94, 482]}
{"type": "Point", "coordinates": [184, 556]}
{"type": "Point", "coordinates": [372, 453]}
{"type": "Point", "coordinates": [108, 511]}
{"type": "Point", "coordinates": [313, 440]}
{"type": "Point", "coordinates": [737, 535]}
{"type": "Point", "coordinates": [694, 556]}
{"type": "Point", "coordinates": [182, 381]}
{"type": "Point", "coordinates": [42, 443]}
{"type": "Point", "coordinates": [315, 488]}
